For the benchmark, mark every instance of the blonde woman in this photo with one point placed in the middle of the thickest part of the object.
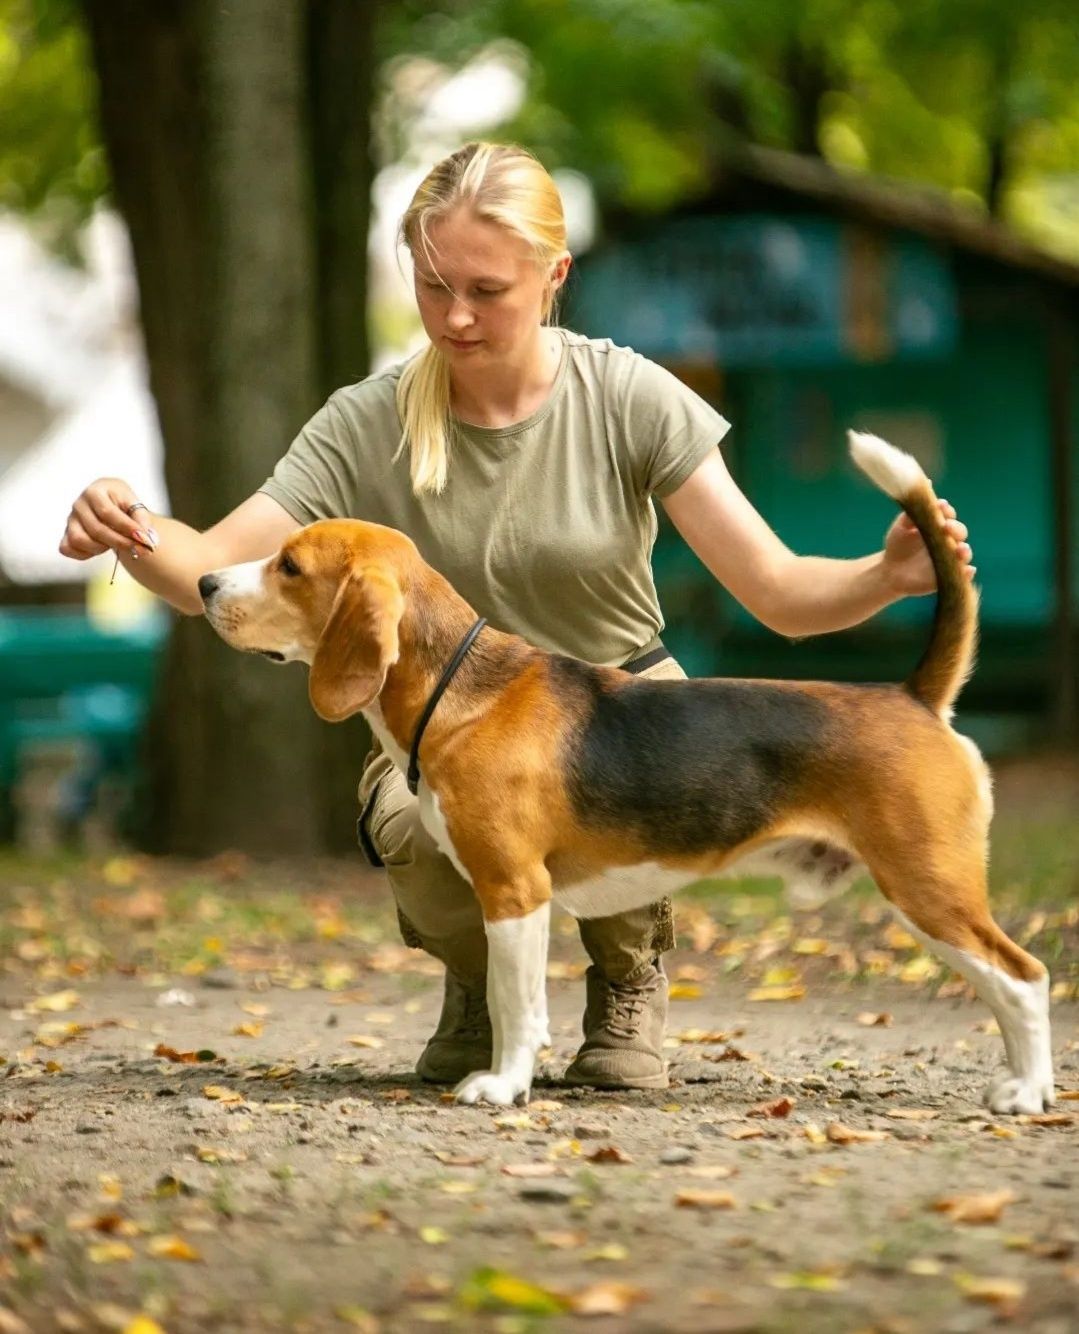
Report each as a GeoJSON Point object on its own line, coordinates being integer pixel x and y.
{"type": "Point", "coordinates": [524, 461]}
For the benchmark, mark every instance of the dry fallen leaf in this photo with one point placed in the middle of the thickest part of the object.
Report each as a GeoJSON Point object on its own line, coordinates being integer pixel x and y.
{"type": "Point", "coordinates": [1003, 1292]}
{"type": "Point", "coordinates": [608, 1153]}
{"type": "Point", "coordinates": [365, 1040]}
{"type": "Point", "coordinates": [1045, 1119]}
{"type": "Point", "coordinates": [529, 1171]}
{"type": "Point", "coordinates": [172, 1248]}
{"type": "Point", "coordinates": [872, 1019]}
{"type": "Point", "coordinates": [778, 1108]}
{"type": "Point", "coordinates": [56, 1002]}
{"type": "Point", "coordinates": [685, 991]}
{"type": "Point", "coordinates": [562, 1241]}
{"type": "Point", "coordinates": [984, 1208]}
{"type": "Point", "coordinates": [790, 992]}
{"type": "Point", "coordinates": [705, 1199]}
{"type": "Point", "coordinates": [109, 1252]}
{"type": "Point", "coordinates": [840, 1134]}
{"type": "Point", "coordinates": [745, 1132]}
{"type": "Point", "coordinates": [911, 1113]}
{"type": "Point", "coordinates": [605, 1299]}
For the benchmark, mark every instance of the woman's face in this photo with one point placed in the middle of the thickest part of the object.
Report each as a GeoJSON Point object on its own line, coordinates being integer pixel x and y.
{"type": "Point", "coordinates": [479, 289]}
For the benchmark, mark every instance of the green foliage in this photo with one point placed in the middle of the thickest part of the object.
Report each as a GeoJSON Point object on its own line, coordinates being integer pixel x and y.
{"type": "Point", "coordinates": [51, 159]}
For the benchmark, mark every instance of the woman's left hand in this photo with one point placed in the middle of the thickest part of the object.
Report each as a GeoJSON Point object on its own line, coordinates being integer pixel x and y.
{"type": "Point", "coordinates": [906, 560]}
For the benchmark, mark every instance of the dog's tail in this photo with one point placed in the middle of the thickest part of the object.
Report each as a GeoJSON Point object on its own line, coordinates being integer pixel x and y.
{"type": "Point", "coordinates": [949, 658]}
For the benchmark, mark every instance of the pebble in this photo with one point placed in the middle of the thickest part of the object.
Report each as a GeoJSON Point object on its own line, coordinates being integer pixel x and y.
{"type": "Point", "coordinates": [548, 1192]}
{"type": "Point", "coordinates": [676, 1154]}
{"type": "Point", "coordinates": [88, 1128]}
{"type": "Point", "coordinates": [224, 979]}
{"type": "Point", "coordinates": [813, 1082]}
{"type": "Point", "coordinates": [591, 1130]}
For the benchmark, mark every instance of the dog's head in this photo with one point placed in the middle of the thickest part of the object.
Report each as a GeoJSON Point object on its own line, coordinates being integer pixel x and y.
{"type": "Point", "coordinates": [331, 597]}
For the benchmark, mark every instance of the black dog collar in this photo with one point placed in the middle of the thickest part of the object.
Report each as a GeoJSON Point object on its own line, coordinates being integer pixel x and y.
{"type": "Point", "coordinates": [412, 778]}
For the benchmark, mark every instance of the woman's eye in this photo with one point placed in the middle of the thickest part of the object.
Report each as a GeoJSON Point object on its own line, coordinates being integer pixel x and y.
{"type": "Point", "coordinates": [489, 291]}
{"type": "Point", "coordinates": [288, 566]}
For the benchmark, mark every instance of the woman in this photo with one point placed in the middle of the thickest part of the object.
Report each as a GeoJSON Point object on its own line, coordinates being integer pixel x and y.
{"type": "Point", "coordinates": [522, 459]}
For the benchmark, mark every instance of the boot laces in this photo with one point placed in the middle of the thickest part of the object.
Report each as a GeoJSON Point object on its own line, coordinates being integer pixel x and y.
{"type": "Point", "coordinates": [624, 1004]}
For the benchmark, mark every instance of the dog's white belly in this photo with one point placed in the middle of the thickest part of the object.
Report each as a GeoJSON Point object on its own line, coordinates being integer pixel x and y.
{"type": "Point", "coordinates": [622, 888]}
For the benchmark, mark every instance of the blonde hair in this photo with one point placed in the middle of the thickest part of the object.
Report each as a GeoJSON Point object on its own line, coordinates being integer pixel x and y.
{"type": "Point", "coordinates": [500, 183]}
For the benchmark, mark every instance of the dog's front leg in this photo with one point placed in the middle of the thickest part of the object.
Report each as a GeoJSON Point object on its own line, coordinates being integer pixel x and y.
{"type": "Point", "coordinates": [517, 1001]}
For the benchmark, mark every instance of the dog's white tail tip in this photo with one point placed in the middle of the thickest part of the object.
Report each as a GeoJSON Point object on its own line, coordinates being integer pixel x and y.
{"type": "Point", "coordinates": [895, 472]}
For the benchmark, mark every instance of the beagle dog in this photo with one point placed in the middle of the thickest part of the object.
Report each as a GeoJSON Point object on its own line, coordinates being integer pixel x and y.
{"type": "Point", "coordinates": [544, 778]}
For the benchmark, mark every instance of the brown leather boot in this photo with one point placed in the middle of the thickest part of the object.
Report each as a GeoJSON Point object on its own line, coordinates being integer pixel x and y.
{"type": "Point", "coordinates": [623, 1028]}
{"type": "Point", "coordinates": [462, 1041]}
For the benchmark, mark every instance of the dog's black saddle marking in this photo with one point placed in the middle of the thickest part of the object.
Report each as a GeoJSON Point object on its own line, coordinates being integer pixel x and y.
{"type": "Point", "coordinates": [687, 765]}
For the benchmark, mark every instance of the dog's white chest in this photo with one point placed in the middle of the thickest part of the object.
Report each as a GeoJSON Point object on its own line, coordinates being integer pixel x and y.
{"type": "Point", "coordinates": [622, 888]}
{"type": "Point", "coordinates": [434, 822]}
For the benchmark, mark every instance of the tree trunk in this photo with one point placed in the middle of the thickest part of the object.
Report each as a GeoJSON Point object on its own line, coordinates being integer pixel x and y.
{"type": "Point", "coordinates": [205, 113]}
{"type": "Point", "coordinates": [340, 82]}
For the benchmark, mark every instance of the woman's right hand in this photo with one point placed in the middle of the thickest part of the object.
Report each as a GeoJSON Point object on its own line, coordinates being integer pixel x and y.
{"type": "Point", "coordinates": [100, 521]}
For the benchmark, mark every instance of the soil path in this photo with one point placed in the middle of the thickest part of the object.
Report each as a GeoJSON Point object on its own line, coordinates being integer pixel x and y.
{"type": "Point", "coordinates": [305, 1179]}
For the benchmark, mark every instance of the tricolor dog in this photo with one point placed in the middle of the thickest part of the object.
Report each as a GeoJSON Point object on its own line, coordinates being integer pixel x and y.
{"type": "Point", "coordinates": [545, 778]}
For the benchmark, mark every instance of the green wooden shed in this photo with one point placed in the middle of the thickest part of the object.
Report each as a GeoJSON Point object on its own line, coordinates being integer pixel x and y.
{"type": "Point", "coordinates": [803, 301]}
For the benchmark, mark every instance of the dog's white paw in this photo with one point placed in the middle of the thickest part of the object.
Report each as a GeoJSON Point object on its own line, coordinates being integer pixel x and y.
{"type": "Point", "coordinates": [486, 1086]}
{"type": "Point", "coordinates": [1010, 1096]}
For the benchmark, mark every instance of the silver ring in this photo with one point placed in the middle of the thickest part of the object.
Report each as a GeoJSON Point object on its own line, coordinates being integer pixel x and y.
{"type": "Point", "coordinates": [136, 505]}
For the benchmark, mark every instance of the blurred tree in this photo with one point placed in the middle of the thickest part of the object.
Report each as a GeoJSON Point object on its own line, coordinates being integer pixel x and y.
{"type": "Point", "coordinates": [238, 143]}
{"type": "Point", "coordinates": [51, 161]}
{"type": "Point", "coordinates": [978, 97]}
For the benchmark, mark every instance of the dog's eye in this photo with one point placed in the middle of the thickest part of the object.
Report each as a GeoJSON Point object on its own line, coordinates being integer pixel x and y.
{"type": "Point", "coordinates": [288, 566]}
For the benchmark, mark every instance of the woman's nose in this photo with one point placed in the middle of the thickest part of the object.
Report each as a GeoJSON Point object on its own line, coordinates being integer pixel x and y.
{"type": "Point", "coordinates": [460, 315]}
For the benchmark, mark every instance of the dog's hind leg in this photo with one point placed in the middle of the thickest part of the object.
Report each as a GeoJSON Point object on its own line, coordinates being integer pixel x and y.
{"type": "Point", "coordinates": [950, 915]}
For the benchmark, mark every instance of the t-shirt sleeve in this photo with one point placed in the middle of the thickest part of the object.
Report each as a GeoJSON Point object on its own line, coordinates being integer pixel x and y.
{"type": "Point", "coordinates": [670, 430]}
{"type": "Point", "coordinates": [318, 477]}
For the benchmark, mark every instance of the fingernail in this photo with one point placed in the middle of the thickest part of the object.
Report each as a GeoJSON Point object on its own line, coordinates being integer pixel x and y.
{"type": "Point", "coordinates": [153, 534]}
{"type": "Point", "coordinates": [147, 539]}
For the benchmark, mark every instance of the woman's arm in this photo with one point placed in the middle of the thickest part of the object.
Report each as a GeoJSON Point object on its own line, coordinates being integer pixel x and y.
{"type": "Point", "coordinates": [798, 595]}
{"type": "Point", "coordinates": [171, 557]}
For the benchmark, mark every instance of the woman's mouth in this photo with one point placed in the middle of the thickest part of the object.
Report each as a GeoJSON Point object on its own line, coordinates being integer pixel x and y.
{"type": "Point", "coordinates": [463, 344]}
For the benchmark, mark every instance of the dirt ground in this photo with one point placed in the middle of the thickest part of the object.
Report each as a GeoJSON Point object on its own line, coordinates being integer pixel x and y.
{"type": "Point", "coordinates": [820, 1162]}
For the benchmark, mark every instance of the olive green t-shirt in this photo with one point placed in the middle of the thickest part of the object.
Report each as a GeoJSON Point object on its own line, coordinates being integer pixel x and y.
{"type": "Point", "coordinates": [546, 527]}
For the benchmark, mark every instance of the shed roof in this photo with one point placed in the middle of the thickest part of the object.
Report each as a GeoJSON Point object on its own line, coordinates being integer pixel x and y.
{"type": "Point", "coordinates": [754, 176]}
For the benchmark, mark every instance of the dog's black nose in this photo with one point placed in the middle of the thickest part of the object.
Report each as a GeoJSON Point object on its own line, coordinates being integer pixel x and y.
{"type": "Point", "coordinates": [208, 586]}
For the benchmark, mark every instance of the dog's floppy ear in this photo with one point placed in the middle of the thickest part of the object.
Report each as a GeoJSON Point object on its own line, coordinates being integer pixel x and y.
{"type": "Point", "coordinates": [358, 644]}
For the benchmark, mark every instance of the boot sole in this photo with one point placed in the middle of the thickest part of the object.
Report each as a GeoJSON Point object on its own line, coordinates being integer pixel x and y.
{"type": "Point", "coordinates": [640, 1082]}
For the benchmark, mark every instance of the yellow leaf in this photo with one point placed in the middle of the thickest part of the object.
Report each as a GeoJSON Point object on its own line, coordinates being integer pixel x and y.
{"type": "Point", "coordinates": [685, 991]}
{"type": "Point", "coordinates": [434, 1236]}
{"type": "Point", "coordinates": [364, 1040]}
{"type": "Point", "coordinates": [172, 1248]}
{"type": "Point", "coordinates": [143, 1324]}
{"type": "Point", "coordinates": [781, 977]}
{"type": "Point", "coordinates": [898, 939]}
{"type": "Point", "coordinates": [919, 969]}
{"type": "Point", "coordinates": [56, 1002]}
{"type": "Point", "coordinates": [777, 993]}
{"type": "Point", "coordinates": [612, 1251]}
{"type": "Point", "coordinates": [815, 1135]}
{"type": "Point", "coordinates": [109, 1252]}
{"type": "Point", "coordinates": [996, 1291]}
{"type": "Point", "coordinates": [219, 1093]}
{"type": "Point", "coordinates": [810, 945]}
{"type": "Point", "coordinates": [491, 1289]}
{"type": "Point", "coordinates": [810, 1280]}
{"type": "Point", "coordinates": [248, 1030]}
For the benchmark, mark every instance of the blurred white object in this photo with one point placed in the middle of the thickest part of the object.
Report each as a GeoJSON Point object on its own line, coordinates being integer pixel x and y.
{"type": "Point", "coordinates": [74, 399]}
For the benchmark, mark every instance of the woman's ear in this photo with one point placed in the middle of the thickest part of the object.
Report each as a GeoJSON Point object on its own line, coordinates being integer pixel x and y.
{"type": "Point", "coordinates": [560, 271]}
{"type": "Point", "coordinates": [358, 644]}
